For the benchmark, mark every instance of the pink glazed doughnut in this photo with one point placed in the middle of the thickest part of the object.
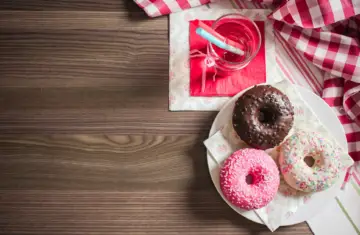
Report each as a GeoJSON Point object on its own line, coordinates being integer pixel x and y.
{"type": "Point", "coordinates": [249, 179]}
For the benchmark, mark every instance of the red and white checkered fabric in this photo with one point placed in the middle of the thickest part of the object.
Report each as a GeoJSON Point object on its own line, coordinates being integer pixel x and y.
{"type": "Point", "coordinates": [327, 33]}
{"type": "Point", "coordinates": [338, 94]}
{"type": "Point", "coordinates": [164, 7]}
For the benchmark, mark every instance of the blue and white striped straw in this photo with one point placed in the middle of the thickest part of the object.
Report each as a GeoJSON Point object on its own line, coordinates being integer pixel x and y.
{"type": "Point", "coordinates": [209, 37]}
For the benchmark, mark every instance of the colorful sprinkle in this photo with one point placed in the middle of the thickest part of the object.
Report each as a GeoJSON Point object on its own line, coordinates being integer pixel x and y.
{"type": "Point", "coordinates": [325, 171]}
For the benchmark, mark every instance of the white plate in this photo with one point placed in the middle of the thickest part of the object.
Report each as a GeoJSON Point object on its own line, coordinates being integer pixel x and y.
{"type": "Point", "coordinates": [319, 200]}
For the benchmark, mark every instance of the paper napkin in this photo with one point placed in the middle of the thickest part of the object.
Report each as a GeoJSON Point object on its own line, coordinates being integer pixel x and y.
{"type": "Point", "coordinates": [254, 73]}
{"type": "Point", "coordinates": [179, 60]}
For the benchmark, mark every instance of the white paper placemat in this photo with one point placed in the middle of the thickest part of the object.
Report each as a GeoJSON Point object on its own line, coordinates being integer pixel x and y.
{"type": "Point", "coordinates": [179, 77]}
{"type": "Point", "coordinates": [342, 216]}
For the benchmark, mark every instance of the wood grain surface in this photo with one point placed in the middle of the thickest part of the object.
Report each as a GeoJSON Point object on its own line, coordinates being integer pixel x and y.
{"type": "Point", "coordinates": [87, 145]}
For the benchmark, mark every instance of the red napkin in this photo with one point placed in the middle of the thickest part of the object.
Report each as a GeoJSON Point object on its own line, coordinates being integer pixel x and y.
{"type": "Point", "coordinates": [224, 85]}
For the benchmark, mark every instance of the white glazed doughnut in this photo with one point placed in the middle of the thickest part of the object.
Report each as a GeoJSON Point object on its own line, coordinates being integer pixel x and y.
{"type": "Point", "coordinates": [325, 171]}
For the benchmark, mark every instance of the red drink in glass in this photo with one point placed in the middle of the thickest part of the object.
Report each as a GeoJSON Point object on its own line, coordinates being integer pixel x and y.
{"type": "Point", "coordinates": [241, 30]}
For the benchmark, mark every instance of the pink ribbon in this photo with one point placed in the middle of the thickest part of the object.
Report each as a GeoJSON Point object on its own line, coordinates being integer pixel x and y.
{"type": "Point", "coordinates": [208, 63]}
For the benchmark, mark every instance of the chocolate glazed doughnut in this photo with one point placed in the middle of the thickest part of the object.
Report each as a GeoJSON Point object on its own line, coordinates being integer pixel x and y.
{"type": "Point", "coordinates": [263, 117]}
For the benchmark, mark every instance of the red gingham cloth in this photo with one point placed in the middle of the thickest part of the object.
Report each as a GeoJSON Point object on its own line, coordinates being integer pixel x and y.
{"type": "Point", "coordinates": [327, 33]}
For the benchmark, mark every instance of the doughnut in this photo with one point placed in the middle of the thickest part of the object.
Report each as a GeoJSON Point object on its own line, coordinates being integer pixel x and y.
{"type": "Point", "coordinates": [297, 173]}
{"type": "Point", "coordinates": [263, 116]}
{"type": "Point", "coordinates": [249, 179]}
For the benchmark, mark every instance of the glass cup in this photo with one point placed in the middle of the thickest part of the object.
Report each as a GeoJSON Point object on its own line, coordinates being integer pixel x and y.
{"type": "Point", "coordinates": [241, 30]}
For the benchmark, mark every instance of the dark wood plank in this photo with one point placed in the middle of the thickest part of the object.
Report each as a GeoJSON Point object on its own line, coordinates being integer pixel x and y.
{"type": "Point", "coordinates": [66, 5]}
{"type": "Point", "coordinates": [104, 162]}
{"type": "Point", "coordinates": [107, 184]}
{"type": "Point", "coordinates": [87, 212]}
{"type": "Point", "coordinates": [86, 71]}
{"type": "Point", "coordinates": [52, 21]}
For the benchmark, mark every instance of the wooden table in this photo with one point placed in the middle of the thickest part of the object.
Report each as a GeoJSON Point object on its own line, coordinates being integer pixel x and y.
{"type": "Point", "coordinates": [87, 144]}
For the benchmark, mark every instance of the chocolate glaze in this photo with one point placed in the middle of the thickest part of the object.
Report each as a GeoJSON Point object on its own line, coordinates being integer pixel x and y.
{"type": "Point", "coordinates": [263, 117]}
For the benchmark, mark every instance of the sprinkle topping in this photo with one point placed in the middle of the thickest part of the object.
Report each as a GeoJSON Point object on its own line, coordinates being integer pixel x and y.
{"type": "Point", "coordinates": [260, 168]}
{"type": "Point", "coordinates": [325, 170]}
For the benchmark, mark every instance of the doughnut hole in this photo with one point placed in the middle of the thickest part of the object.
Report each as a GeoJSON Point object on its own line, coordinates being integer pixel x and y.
{"type": "Point", "coordinates": [267, 115]}
{"type": "Point", "coordinates": [254, 176]}
{"type": "Point", "coordinates": [249, 179]}
{"type": "Point", "coordinates": [309, 160]}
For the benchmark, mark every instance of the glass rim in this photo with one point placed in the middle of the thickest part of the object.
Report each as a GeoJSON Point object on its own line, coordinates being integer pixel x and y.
{"type": "Point", "coordinates": [257, 31]}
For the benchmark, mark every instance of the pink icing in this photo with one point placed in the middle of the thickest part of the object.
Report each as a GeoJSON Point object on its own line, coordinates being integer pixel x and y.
{"type": "Point", "coordinates": [265, 179]}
